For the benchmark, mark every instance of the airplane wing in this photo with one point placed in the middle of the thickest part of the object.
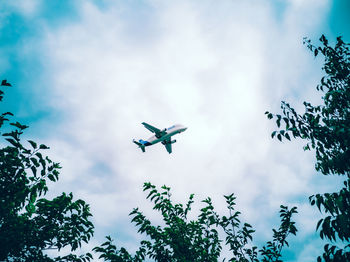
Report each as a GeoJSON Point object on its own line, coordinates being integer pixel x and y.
{"type": "Point", "coordinates": [153, 129]}
{"type": "Point", "coordinates": [167, 143]}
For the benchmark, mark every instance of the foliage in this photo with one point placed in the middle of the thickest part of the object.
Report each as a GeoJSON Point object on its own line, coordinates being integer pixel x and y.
{"type": "Point", "coordinates": [196, 240]}
{"type": "Point", "coordinates": [29, 223]}
{"type": "Point", "coordinates": [272, 252]}
{"type": "Point", "coordinates": [326, 128]}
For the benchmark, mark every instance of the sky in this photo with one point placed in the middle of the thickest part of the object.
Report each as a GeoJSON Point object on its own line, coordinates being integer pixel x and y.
{"type": "Point", "coordinates": [86, 74]}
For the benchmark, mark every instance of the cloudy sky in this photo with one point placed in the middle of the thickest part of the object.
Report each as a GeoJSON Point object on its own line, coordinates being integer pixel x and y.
{"type": "Point", "coordinates": [85, 74]}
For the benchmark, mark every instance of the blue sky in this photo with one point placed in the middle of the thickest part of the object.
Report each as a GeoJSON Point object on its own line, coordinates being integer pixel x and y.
{"type": "Point", "coordinates": [85, 74]}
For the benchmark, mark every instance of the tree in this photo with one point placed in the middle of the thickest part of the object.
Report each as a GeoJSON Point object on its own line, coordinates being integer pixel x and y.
{"type": "Point", "coordinates": [198, 240]}
{"type": "Point", "coordinates": [326, 128]}
{"type": "Point", "coordinates": [30, 223]}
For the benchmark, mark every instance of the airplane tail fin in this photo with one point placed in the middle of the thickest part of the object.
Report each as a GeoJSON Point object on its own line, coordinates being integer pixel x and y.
{"type": "Point", "coordinates": [142, 146]}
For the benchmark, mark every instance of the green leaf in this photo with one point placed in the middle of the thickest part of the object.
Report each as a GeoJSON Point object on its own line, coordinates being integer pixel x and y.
{"type": "Point", "coordinates": [279, 137]}
{"type": "Point", "coordinates": [33, 144]}
{"type": "Point", "coordinates": [51, 177]}
{"type": "Point", "coordinates": [287, 136]}
{"type": "Point", "coordinates": [273, 134]}
{"type": "Point", "coordinates": [33, 168]}
{"type": "Point", "coordinates": [42, 146]}
{"type": "Point", "coordinates": [18, 125]}
{"type": "Point", "coordinates": [13, 142]}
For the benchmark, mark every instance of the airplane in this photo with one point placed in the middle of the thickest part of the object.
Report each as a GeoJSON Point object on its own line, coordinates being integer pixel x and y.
{"type": "Point", "coordinates": [163, 136]}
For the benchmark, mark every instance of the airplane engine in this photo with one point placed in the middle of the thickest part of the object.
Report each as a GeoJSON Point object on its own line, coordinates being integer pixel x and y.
{"type": "Point", "coordinates": [172, 142]}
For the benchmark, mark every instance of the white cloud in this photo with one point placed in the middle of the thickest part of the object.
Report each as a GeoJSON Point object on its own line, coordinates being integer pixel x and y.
{"type": "Point", "coordinates": [25, 7]}
{"type": "Point", "coordinates": [214, 67]}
